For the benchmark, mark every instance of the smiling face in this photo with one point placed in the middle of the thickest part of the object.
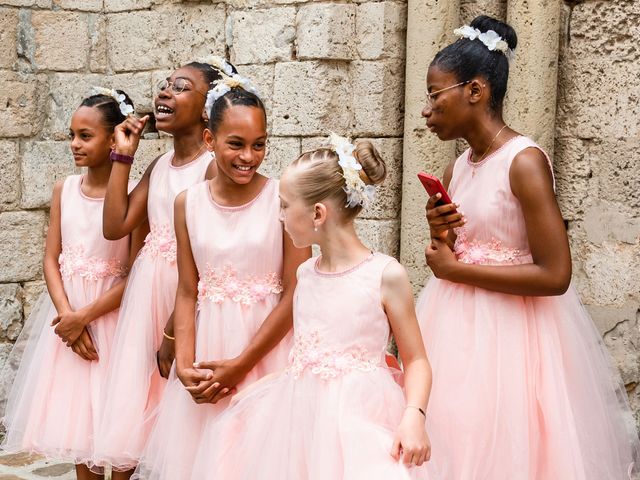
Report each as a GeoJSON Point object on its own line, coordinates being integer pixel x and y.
{"type": "Point", "coordinates": [91, 140]}
{"type": "Point", "coordinates": [176, 112]}
{"type": "Point", "coordinates": [239, 142]}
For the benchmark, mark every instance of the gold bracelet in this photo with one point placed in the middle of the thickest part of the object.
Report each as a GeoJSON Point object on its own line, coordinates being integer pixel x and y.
{"type": "Point", "coordinates": [417, 408]}
{"type": "Point", "coordinates": [167, 336]}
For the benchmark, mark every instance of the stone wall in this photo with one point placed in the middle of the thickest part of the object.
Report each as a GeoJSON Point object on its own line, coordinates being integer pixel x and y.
{"type": "Point", "coordinates": [320, 66]}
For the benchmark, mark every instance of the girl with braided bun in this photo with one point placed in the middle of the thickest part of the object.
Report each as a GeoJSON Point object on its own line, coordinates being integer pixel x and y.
{"type": "Point", "coordinates": [336, 412]}
{"type": "Point", "coordinates": [235, 285]}
{"type": "Point", "coordinates": [62, 354]}
{"type": "Point", "coordinates": [523, 385]}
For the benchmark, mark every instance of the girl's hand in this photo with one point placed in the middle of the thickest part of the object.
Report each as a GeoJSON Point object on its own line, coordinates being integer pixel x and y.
{"type": "Point", "coordinates": [227, 374]}
{"type": "Point", "coordinates": [443, 218]}
{"type": "Point", "coordinates": [166, 355]}
{"type": "Point", "coordinates": [440, 259]}
{"type": "Point", "coordinates": [411, 442]}
{"type": "Point", "coordinates": [84, 347]}
{"type": "Point", "coordinates": [191, 377]}
{"type": "Point", "coordinates": [127, 134]}
{"type": "Point", "coordinates": [69, 326]}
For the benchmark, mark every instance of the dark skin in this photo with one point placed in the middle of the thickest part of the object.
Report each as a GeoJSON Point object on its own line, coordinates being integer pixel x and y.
{"type": "Point", "coordinates": [464, 112]}
{"type": "Point", "coordinates": [185, 121]}
{"type": "Point", "coordinates": [238, 142]}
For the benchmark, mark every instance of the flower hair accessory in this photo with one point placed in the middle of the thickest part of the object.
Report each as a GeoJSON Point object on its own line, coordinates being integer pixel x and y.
{"type": "Point", "coordinates": [125, 108]}
{"type": "Point", "coordinates": [490, 39]}
{"type": "Point", "coordinates": [358, 192]}
{"type": "Point", "coordinates": [219, 63]}
{"type": "Point", "coordinates": [225, 84]}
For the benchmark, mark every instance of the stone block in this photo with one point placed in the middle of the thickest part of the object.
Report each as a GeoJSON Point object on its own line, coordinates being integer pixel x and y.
{"type": "Point", "coordinates": [148, 151]}
{"type": "Point", "coordinates": [31, 292]}
{"type": "Point", "coordinates": [326, 31]}
{"type": "Point", "coordinates": [82, 5]}
{"type": "Point", "coordinates": [10, 311]}
{"type": "Point", "coordinates": [8, 37]}
{"type": "Point", "coordinates": [62, 40]}
{"type": "Point", "coordinates": [262, 77]}
{"type": "Point", "coordinates": [281, 151]}
{"type": "Point", "coordinates": [261, 36]}
{"type": "Point", "coordinates": [21, 246]}
{"type": "Point", "coordinates": [9, 173]}
{"type": "Point", "coordinates": [605, 220]}
{"type": "Point", "coordinates": [20, 104]}
{"type": "Point", "coordinates": [311, 98]}
{"type": "Point", "coordinates": [378, 97]}
{"type": "Point", "coordinates": [164, 38]}
{"type": "Point", "coordinates": [26, 3]}
{"type": "Point", "coordinates": [615, 167]}
{"type": "Point", "coordinates": [312, 143]}
{"type": "Point", "coordinates": [44, 163]}
{"type": "Point", "coordinates": [470, 9]}
{"type": "Point", "coordinates": [573, 174]}
{"type": "Point", "coordinates": [112, 6]}
{"type": "Point", "coordinates": [381, 30]}
{"type": "Point", "coordinates": [387, 204]}
{"type": "Point", "coordinates": [380, 235]}
{"type": "Point", "coordinates": [98, 40]}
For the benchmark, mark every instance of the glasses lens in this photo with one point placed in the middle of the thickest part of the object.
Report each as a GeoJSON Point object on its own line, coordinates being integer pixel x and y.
{"type": "Point", "coordinates": [162, 85]}
{"type": "Point", "coordinates": [179, 85]}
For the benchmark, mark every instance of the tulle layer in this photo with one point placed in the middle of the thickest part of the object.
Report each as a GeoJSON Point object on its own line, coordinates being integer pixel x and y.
{"type": "Point", "coordinates": [523, 389]}
{"type": "Point", "coordinates": [307, 429]}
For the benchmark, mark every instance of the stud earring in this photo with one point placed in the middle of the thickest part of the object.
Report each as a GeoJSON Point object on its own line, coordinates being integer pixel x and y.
{"type": "Point", "coordinates": [315, 229]}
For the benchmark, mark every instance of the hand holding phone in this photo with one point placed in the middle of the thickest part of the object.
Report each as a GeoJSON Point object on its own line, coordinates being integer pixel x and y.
{"type": "Point", "coordinates": [433, 186]}
{"type": "Point", "coordinates": [440, 219]}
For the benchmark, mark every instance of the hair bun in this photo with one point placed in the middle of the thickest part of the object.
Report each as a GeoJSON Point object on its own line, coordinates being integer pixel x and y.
{"type": "Point", "coordinates": [485, 23]}
{"type": "Point", "coordinates": [372, 163]}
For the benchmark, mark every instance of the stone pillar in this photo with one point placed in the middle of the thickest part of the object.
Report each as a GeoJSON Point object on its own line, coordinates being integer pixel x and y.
{"type": "Point", "coordinates": [530, 105]}
{"type": "Point", "coordinates": [430, 27]}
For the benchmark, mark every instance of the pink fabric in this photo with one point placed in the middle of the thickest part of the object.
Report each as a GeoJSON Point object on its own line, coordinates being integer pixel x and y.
{"type": "Point", "coordinates": [523, 387]}
{"type": "Point", "coordinates": [57, 398]}
{"type": "Point", "coordinates": [135, 385]}
{"type": "Point", "coordinates": [333, 413]}
{"type": "Point", "coordinates": [239, 255]}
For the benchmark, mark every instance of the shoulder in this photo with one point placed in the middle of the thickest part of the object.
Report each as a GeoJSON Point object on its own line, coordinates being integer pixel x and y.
{"type": "Point", "coordinates": [306, 266]}
{"type": "Point", "coordinates": [393, 272]}
{"type": "Point", "coordinates": [530, 164]}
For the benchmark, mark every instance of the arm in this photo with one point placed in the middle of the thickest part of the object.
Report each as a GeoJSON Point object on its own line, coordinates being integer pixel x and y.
{"type": "Point", "coordinates": [397, 299]}
{"type": "Point", "coordinates": [550, 272]}
{"type": "Point", "coordinates": [124, 211]}
{"type": "Point", "coordinates": [228, 373]}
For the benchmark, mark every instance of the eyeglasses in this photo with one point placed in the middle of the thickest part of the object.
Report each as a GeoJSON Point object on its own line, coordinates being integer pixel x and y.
{"type": "Point", "coordinates": [178, 86]}
{"type": "Point", "coordinates": [431, 97]}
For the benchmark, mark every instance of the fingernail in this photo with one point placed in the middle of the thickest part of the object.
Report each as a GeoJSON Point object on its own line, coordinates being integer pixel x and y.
{"type": "Point", "coordinates": [196, 365]}
{"type": "Point", "coordinates": [216, 384]}
{"type": "Point", "coordinates": [209, 376]}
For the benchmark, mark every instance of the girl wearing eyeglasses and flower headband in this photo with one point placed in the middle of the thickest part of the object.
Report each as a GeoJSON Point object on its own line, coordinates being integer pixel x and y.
{"type": "Point", "coordinates": [336, 412]}
{"type": "Point", "coordinates": [236, 280]}
{"type": "Point", "coordinates": [523, 384]}
{"type": "Point", "coordinates": [143, 350]}
{"type": "Point", "coordinates": [62, 354]}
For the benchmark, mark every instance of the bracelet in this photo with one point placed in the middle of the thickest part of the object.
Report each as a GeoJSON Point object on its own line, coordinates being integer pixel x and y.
{"type": "Point", "coordinates": [167, 336]}
{"type": "Point", "coordinates": [418, 408]}
{"type": "Point", "coordinates": [118, 157]}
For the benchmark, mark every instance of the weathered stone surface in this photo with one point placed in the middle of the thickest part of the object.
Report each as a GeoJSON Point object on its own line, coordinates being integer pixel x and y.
{"type": "Point", "coordinates": [573, 172]}
{"type": "Point", "coordinates": [380, 235]}
{"type": "Point", "coordinates": [98, 40]}
{"type": "Point", "coordinates": [261, 36]}
{"type": "Point", "coordinates": [605, 220]}
{"type": "Point", "coordinates": [20, 113]}
{"type": "Point", "coordinates": [83, 5]}
{"type": "Point", "coordinates": [62, 40]}
{"type": "Point", "coordinates": [168, 37]}
{"type": "Point", "coordinates": [8, 37]}
{"type": "Point", "coordinates": [380, 30]}
{"type": "Point", "coordinates": [27, 3]}
{"type": "Point", "coordinates": [281, 151]}
{"type": "Point", "coordinates": [54, 470]}
{"type": "Point", "coordinates": [327, 31]}
{"type": "Point", "coordinates": [43, 164]}
{"type": "Point", "coordinates": [312, 143]}
{"type": "Point", "coordinates": [10, 311]}
{"type": "Point", "coordinates": [18, 459]}
{"type": "Point", "coordinates": [21, 245]}
{"type": "Point", "coordinates": [378, 97]}
{"type": "Point", "coordinates": [9, 173]}
{"type": "Point", "coordinates": [31, 292]}
{"type": "Point", "coordinates": [311, 98]}
{"type": "Point", "coordinates": [262, 77]}
{"type": "Point", "coordinates": [470, 9]}
{"type": "Point", "coordinates": [124, 5]}
{"type": "Point", "coordinates": [388, 199]}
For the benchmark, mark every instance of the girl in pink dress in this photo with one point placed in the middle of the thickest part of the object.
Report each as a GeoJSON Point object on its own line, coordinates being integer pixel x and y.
{"type": "Point", "coordinates": [236, 282]}
{"type": "Point", "coordinates": [523, 386]}
{"type": "Point", "coordinates": [62, 354]}
{"type": "Point", "coordinates": [142, 354]}
{"type": "Point", "coordinates": [336, 412]}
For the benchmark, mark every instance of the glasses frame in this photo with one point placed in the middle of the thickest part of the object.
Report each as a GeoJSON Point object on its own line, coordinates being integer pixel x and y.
{"type": "Point", "coordinates": [168, 84]}
{"type": "Point", "coordinates": [430, 95]}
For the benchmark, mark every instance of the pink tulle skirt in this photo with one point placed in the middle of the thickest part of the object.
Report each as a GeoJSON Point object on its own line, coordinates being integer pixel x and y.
{"type": "Point", "coordinates": [523, 389]}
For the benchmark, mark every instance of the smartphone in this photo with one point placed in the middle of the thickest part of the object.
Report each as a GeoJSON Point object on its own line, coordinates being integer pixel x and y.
{"type": "Point", "coordinates": [432, 185]}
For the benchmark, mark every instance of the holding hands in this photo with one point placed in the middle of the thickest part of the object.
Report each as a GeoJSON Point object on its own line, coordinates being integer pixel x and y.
{"type": "Point", "coordinates": [217, 383]}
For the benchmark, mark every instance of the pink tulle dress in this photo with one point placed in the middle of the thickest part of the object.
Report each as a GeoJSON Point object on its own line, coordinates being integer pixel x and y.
{"type": "Point", "coordinates": [333, 412]}
{"type": "Point", "coordinates": [238, 252]}
{"type": "Point", "coordinates": [523, 387]}
{"type": "Point", "coordinates": [133, 378]}
{"type": "Point", "coordinates": [57, 398]}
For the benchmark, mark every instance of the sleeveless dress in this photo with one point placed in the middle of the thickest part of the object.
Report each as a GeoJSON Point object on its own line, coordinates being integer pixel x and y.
{"type": "Point", "coordinates": [135, 384]}
{"type": "Point", "coordinates": [333, 412]}
{"type": "Point", "coordinates": [56, 400]}
{"type": "Point", "coordinates": [238, 252]}
{"type": "Point", "coordinates": [523, 387]}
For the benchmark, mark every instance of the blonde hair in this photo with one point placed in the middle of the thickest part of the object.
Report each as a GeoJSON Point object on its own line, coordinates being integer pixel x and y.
{"type": "Point", "coordinates": [321, 177]}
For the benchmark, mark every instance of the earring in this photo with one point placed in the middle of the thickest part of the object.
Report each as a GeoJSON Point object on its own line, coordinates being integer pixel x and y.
{"type": "Point", "coordinates": [315, 229]}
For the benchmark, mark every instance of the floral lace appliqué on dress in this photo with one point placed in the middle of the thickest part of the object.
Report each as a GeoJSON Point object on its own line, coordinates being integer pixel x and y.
{"type": "Point", "coordinates": [327, 362]}
{"type": "Point", "coordinates": [218, 284]}
{"type": "Point", "coordinates": [480, 253]}
{"type": "Point", "coordinates": [160, 241]}
{"type": "Point", "coordinates": [73, 261]}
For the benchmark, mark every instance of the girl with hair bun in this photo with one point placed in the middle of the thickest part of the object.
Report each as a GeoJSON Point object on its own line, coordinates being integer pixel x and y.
{"type": "Point", "coordinates": [63, 351]}
{"type": "Point", "coordinates": [336, 412]}
{"type": "Point", "coordinates": [524, 387]}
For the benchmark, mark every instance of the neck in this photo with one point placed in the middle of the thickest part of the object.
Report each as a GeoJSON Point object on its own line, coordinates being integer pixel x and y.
{"type": "Point", "coordinates": [341, 248]}
{"type": "Point", "coordinates": [186, 146]}
{"type": "Point", "coordinates": [98, 177]}
{"type": "Point", "coordinates": [483, 133]}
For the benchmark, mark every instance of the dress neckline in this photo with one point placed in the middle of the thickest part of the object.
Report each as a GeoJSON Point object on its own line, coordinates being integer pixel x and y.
{"type": "Point", "coordinates": [349, 270]}
{"type": "Point", "coordinates": [475, 165]}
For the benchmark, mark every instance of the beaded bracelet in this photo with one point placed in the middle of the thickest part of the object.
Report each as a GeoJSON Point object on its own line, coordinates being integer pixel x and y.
{"type": "Point", "coordinates": [118, 157]}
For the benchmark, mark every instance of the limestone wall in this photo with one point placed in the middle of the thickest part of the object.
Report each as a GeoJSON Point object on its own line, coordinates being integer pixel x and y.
{"type": "Point", "coordinates": [320, 66]}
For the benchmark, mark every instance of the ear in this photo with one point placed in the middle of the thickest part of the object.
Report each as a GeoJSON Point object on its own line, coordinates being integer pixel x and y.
{"type": "Point", "coordinates": [112, 141]}
{"type": "Point", "coordinates": [478, 90]}
{"type": "Point", "coordinates": [209, 139]}
{"type": "Point", "coordinates": [319, 214]}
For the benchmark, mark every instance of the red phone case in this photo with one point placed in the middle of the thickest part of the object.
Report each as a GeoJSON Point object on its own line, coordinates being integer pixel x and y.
{"type": "Point", "coordinates": [432, 185]}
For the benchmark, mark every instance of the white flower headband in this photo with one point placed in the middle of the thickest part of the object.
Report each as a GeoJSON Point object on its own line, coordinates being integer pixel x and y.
{"type": "Point", "coordinates": [125, 108]}
{"type": "Point", "coordinates": [228, 81]}
{"type": "Point", "coordinates": [358, 192]}
{"type": "Point", "coordinates": [490, 39]}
